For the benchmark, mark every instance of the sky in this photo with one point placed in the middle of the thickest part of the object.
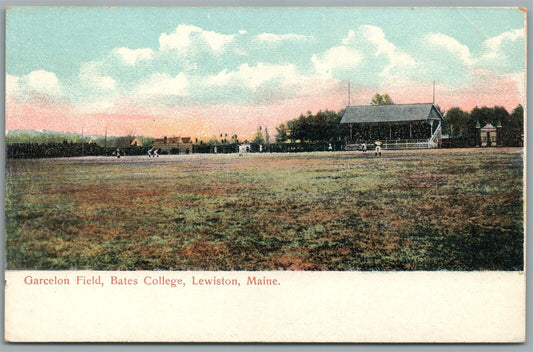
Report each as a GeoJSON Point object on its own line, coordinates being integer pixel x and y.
{"type": "Point", "coordinates": [200, 72]}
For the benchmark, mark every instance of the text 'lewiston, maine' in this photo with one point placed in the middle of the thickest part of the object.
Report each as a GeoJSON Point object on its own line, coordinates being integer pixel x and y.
{"type": "Point", "coordinates": [150, 280]}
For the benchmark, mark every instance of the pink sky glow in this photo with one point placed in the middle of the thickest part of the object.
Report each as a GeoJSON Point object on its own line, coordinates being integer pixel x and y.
{"type": "Point", "coordinates": [208, 121]}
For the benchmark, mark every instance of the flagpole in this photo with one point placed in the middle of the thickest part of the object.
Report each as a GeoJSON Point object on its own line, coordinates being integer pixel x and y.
{"type": "Point", "coordinates": [433, 92]}
{"type": "Point", "coordinates": [349, 93]}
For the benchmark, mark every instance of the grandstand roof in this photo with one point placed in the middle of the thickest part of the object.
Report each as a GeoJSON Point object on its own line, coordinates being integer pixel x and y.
{"type": "Point", "coordinates": [394, 113]}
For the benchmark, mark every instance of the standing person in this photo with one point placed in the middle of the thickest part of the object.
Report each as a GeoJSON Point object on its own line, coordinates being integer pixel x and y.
{"type": "Point", "coordinates": [149, 153]}
{"type": "Point", "coordinates": [378, 148]}
{"type": "Point", "coordinates": [330, 148]}
{"type": "Point", "coordinates": [364, 147]}
{"type": "Point", "coordinates": [155, 153]}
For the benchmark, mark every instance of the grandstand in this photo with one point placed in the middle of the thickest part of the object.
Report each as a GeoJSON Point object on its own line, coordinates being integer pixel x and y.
{"type": "Point", "coordinates": [397, 126]}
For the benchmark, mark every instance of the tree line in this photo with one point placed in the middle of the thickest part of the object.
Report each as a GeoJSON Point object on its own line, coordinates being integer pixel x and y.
{"type": "Point", "coordinates": [52, 137]}
{"type": "Point", "coordinates": [458, 125]}
{"type": "Point", "coordinates": [465, 126]}
{"type": "Point", "coordinates": [322, 126]}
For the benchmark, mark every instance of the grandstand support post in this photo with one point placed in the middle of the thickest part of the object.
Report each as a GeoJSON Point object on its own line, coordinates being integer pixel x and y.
{"type": "Point", "coordinates": [410, 131]}
{"type": "Point", "coordinates": [498, 134]}
{"type": "Point", "coordinates": [390, 131]}
{"type": "Point", "coordinates": [351, 132]}
{"type": "Point", "coordinates": [478, 134]}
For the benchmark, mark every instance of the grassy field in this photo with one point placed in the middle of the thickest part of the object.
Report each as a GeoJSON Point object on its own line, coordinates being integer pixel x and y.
{"type": "Point", "coordinates": [409, 210]}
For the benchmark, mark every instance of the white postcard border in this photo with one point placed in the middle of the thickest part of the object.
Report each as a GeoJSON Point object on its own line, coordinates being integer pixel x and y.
{"type": "Point", "coordinates": [301, 307]}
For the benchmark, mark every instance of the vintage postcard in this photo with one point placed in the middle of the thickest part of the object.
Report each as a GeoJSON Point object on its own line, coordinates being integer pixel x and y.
{"type": "Point", "coordinates": [248, 174]}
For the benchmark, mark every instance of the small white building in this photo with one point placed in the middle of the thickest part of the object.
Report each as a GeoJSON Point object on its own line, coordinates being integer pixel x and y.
{"type": "Point", "coordinates": [489, 135]}
{"type": "Point", "coordinates": [244, 148]}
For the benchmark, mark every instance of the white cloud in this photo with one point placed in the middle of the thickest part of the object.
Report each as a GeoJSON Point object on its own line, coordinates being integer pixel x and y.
{"type": "Point", "coordinates": [519, 79]}
{"type": "Point", "coordinates": [240, 52]}
{"type": "Point", "coordinates": [220, 79]}
{"type": "Point", "coordinates": [274, 38]}
{"type": "Point", "coordinates": [42, 80]}
{"type": "Point", "coordinates": [184, 36]}
{"type": "Point", "coordinates": [243, 31]}
{"type": "Point", "coordinates": [365, 51]}
{"type": "Point", "coordinates": [337, 58]}
{"type": "Point", "coordinates": [498, 49]}
{"type": "Point", "coordinates": [179, 39]}
{"type": "Point", "coordinates": [499, 53]}
{"type": "Point", "coordinates": [12, 84]}
{"type": "Point", "coordinates": [253, 77]}
{"type": "Point", "coordinates": [376, 36]}
{"type": "Point", "coordinates": [164, 84]}
{"type": "Point", "coordinates": [495, 43]}
{"type": "Point", "coordinates": [215, 40]}
{"type": "Point", "coordinates": [39, 81]}
{"type": "Point", "coordinates": [349, 37]}
{"type": "Point", "coordinates": [461, 51]}
{"type": "Point", "coordinates": [90, 75]}
{"type": "Point", "coordinates": [97, 105]}
{"type": "Point", "coordinates": [132, 56]}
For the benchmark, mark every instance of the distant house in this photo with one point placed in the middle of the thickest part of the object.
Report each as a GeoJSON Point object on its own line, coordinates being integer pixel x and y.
{"type": "Point", "coordinates": [136, 142]}
{"type": "Point", "coordinates": [126, 142]}
{"type": "Point", "coordinates": [398, 126]}
{"type": "Point", "coordinates": [174, 145]}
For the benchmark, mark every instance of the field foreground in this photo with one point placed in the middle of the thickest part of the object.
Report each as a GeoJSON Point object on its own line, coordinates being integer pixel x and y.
{"type": "Point", "coordinates": [409, 210]}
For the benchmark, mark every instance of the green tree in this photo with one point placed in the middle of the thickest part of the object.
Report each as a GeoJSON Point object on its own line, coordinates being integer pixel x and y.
{"type": "Point", "coordinates": [258, 137]}
{"type": "Point", "coordinates": [457, 123]}
{"type": "Point", "coordinates": [291, 128]}
{"type": "Point", "coordinates": [342, 130]}
{"type": "Point", "coordinates": [495, 115]}
{"type": "Point", "coordinates": [41, 137]}
{"type": "Point", "coordinates": [381, 99]}
{"type": "Point", "coordinates": [282, 135]}
{"type": "Point", "coordinates": [324, 126]}
{"type": "Point", "coordinates": [299, 128]}
{"type": "Point", "coordinates": [517, 118]}
{"type": "Point", "coordinates": [267, 136]}
{"type": "Point", "coordinates": [515, 128]}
